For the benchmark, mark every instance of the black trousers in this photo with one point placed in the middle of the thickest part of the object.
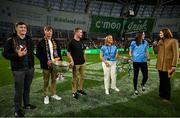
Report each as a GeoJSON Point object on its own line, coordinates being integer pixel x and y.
{"type": "Point", "coordinates": [144, 69]}
{"type": "Point", "coordinates": [164, 86]}
{"type": "Point", "coordinates": [23, 80]}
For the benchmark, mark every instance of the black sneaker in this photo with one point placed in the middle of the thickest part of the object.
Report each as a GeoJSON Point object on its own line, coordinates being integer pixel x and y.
{"type": "Point", "coordinates": [19, 113]}
{"type": "Point", "coordinates": [135, 92]}
{"type": "Point", "coordinates": [143, 89]}
{"type": "Point", "coordinates": [81, 92]}
{"type": "Point", "coordinates": [29, 106]}
{"type": "Point", "coordinates": [75, 95]}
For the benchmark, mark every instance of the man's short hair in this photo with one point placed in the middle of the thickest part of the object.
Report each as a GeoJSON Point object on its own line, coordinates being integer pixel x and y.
{"type": "Point", "coordinates": [77, 29]}
{"type": "Point", "coordinates": [48, 27]}
{"type": "Point", "coordinates": [20, 23]}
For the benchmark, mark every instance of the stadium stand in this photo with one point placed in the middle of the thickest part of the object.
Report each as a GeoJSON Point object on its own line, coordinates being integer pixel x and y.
{"type": "Point", "coordinates": [116, 10]}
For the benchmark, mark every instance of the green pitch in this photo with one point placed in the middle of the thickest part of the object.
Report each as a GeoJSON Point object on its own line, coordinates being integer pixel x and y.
{"type": "Point", "coordinates": [96, 103]}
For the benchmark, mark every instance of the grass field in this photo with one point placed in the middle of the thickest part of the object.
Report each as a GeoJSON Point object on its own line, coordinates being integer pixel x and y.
{"type": "Point", "coordinates": [96, 103]}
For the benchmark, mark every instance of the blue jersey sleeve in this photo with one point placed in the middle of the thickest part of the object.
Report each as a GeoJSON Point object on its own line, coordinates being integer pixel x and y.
{"type": "Point", "coordinates": [132, 45]}
{"type": "Point", "coordinates": [102, 49]}
{"type": "Point", "coordinates": [147, 44]}
{"type": "Point", "coordinates": [116, 49]}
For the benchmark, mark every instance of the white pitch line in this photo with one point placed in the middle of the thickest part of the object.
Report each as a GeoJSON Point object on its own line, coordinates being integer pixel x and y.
{"type": "Point", "coordinates": [94, 98]}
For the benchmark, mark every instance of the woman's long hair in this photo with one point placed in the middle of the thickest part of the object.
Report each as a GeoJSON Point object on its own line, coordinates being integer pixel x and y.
{"type": "Point", "coordinates": [139, 38]}
{"type": "Point", "coordinates": [167, 33]}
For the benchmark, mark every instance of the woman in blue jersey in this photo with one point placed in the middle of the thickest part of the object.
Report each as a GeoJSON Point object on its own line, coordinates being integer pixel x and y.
{"type": "Point", "coordinates": [140, 58]}
{"type": "Point", "coordinates": [108, 56]}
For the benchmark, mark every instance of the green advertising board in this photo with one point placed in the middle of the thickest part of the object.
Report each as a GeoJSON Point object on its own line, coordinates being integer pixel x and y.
{"type": "Point", "coordinates": [91, 51]}
{"type": "Point", "coordinates": [111, 25]}
{"type": "Point", "coordinates": [107, 25]}
{"type": "Point", "coordinates": [139, 24]}
{"type": "Point", "coordinates": [97, 51]}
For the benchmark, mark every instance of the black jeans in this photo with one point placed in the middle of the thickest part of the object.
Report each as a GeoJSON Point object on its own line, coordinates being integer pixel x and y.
{"type": "Point", "coordinates": [164, 86]}
{"type": "Point", "coordinates": [144, 70]}
{"type": "Point", "coordinates": [23, 80]}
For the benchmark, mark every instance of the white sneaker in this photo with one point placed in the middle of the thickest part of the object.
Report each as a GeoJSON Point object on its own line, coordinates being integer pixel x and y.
{"type": "Point", "coordinates": [116, 89]}
{"type": "Point", "coordinates": [46, 100]}
{"type": "Point", "coordinates": [57, 78]}
{"type": "Point", "coordinates": [62, 77]}
{"type": "Point", "coordinates": [56, 97]}
{"type": "Point", "coordinates": [107, 92]}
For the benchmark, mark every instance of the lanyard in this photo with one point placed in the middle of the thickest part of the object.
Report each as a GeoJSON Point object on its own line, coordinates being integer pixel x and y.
{"type": "Point", "coordinates": [109, 50]}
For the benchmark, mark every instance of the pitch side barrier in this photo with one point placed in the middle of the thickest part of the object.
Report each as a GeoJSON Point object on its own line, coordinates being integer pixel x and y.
{"type": "Point", "coordinates": [91, 51]}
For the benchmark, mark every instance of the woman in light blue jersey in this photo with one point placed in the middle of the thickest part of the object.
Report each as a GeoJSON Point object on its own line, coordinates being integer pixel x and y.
{"type": "Point", "coordinates": [108, 56]}
{"type": "Point", "coordinates": [140, 58]}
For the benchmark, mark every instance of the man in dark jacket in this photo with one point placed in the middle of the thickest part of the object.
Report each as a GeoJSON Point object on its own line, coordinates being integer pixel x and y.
{"type": "Point", "coordinates": [47, 51]}
{"type": "Point", "coordinates": [19, 50]}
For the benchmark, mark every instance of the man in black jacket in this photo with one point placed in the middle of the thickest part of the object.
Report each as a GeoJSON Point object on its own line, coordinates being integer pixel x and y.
{"type": "Point", "coordinates": [47, 51]}
{"type": "Point", "coordinates": [19, 50]}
